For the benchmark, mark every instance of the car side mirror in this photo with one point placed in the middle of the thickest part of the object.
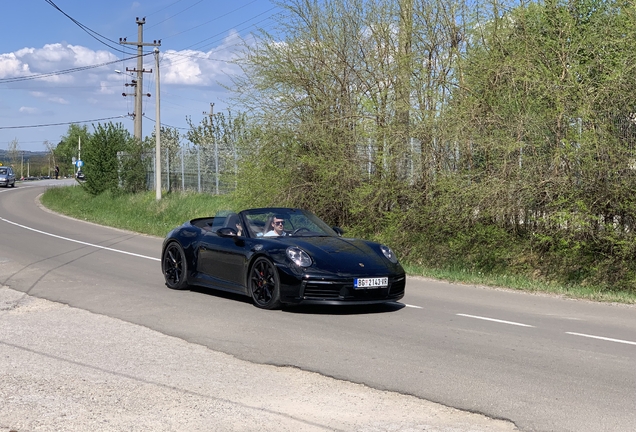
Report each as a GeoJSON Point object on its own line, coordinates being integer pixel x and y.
{"type": "Point", "coordinates": [338, 231]}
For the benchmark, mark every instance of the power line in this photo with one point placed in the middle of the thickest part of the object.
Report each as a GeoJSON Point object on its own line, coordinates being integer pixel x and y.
{"type": "Point", "coordinates": [170, 17]}
{"type": "Point", "coordinates": [164, 8]}
{"type": "Point", "coordinates": [60, 124]}
{"type": "Point", "coordinates": [62, 72]}
{"type": "Point", "coordinates": [212, 42]}
{"type": "Point", "coordinates": [241, 23]}
{"type": "Point", "coordinates": [163, 124]}
{"type": "Point", "coordinates": [212, 20]}
{"type": "Point", "coordinates": [89, 31]}
{"type": "Point", "coordinates": [195, 56]}
{"type": "Point", "coordinates": [79, 69]}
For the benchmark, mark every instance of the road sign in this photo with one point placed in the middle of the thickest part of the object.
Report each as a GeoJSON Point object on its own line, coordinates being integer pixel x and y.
{"type": "Point", "coordinates": [79, 163]}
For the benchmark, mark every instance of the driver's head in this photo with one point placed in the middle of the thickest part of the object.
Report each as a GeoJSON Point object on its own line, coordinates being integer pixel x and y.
{"type": "Point", "coordinates": [279, 224]}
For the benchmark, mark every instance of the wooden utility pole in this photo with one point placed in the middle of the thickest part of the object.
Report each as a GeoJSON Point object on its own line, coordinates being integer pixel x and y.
{"type": "Point", "coordinates": [138, 84]}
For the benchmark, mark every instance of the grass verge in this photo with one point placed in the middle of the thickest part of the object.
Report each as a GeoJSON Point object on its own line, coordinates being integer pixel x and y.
{"type": "Point", "coordinates": [142, 213]}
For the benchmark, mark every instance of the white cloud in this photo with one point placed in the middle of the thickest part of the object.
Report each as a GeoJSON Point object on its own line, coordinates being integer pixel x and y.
{"type": "Point", "coordinates": [11, 66]}
{"type": "Point", "coordinates": [198, 68]}
{"type": "Point", "coordinates": [105, 88]}
{"type": "Point", "coordinates": [50, 58]}
{"type": "Point", "coordinates": [28, 110]}
{"type": "Point", "coordinates": [58, 56]}
{"type": "Point", "coordinates": [59, 100]}
{"type": "Point", "coordinates": [190, 67]}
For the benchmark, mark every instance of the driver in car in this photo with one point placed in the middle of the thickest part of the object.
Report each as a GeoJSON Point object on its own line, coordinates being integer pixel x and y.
{"type": "Point", "coordinates": [278, 225]}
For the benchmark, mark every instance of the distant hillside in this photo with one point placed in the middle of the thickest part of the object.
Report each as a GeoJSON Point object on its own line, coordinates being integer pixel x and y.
{"type": "Point", "coordinates": [4, 154]}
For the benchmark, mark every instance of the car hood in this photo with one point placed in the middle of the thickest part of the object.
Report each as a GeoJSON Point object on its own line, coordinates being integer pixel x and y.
{"type": "Point", "coordinates": [344, 255]}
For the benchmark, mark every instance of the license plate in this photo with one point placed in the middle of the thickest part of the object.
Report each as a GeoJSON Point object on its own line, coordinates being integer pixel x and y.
{"type": "Point", "coordinates": [362, 283]}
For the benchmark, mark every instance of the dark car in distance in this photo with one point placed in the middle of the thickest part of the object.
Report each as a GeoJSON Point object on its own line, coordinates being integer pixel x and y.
{"type": "Point", "coordinates": [280, 256]}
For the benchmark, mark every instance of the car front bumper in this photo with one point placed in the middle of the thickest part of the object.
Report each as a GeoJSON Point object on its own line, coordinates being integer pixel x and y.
{"type": "Point", "coordinates": [338, 291]}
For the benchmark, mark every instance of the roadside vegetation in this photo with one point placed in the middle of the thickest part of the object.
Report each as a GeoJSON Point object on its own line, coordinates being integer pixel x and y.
{"type": "Point", "coordinates": [493, 141]}
{"type": "Point", "coordinates": [139, 212]}
{"type": "Point", "coordinates": [142, 213]}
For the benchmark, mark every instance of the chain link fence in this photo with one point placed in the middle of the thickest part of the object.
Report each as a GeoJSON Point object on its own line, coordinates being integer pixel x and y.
{"type": "Point", "coordinates": [196, 168]}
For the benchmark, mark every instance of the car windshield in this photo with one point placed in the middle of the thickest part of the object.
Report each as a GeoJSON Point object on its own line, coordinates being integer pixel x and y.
{"type": "Point", "coordinates": [3, 170]}
{"type": "Point", "coordinates": [273, 222]}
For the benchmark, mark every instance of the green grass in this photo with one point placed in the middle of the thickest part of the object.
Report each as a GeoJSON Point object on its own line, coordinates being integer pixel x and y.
{"type": "Point", "coordinates": [521, 283]}
{"type": "Point", "coordinates": [141, 213]}
{"type": "Point", "coordinates": [144, 214]}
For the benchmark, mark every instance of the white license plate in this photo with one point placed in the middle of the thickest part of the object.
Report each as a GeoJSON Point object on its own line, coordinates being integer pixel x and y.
{"type": "Point", "coordinates": [370, 282]}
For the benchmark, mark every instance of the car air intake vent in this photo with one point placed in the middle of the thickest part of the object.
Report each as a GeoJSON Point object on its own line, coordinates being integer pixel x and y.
{"type": "Point", "coordinates": [324, 290]}
{"type": "Point", "coordinates": [397, 287]}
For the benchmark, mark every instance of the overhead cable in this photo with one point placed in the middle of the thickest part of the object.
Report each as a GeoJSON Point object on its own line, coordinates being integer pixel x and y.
{"type": "Point", "coordinates": [90, 32]}
{"type": "Point", "coordinates": [61, 124]}
{"type": "Point", "coordinates": [66, 71]}
{"type": "Point", "coordinates": [212, 20]}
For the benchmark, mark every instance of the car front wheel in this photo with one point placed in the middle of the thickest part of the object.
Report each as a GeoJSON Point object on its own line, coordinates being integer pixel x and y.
{"type": "Point", "coordinates": [174, 267]}
{"type": "Point", "coordinates": [264, 284]}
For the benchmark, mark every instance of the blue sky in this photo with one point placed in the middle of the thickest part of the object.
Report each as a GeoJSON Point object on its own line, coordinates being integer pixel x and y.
{"type": "Point", "coordinates": [199, 39]}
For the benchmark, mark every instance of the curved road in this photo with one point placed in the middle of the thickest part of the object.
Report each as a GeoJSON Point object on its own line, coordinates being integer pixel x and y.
{"type": "Point", "coordinates": [542, 362]}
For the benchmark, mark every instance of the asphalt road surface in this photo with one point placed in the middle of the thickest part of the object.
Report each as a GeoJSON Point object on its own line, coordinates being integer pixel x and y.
{"type": "Point", "coordinates": [540, 362]}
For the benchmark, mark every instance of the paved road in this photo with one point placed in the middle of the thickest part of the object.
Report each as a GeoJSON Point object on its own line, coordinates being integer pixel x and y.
{"type": "Point", "coordinates": [544, 363]}
{"type": "Point", "coordinates": [66, 369]}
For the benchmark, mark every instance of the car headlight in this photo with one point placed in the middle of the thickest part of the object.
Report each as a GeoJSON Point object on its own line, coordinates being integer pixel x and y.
{"type": "Point", "coordinates": [298, 256]}
{"type": "Point", "coordinates": [388, 253]}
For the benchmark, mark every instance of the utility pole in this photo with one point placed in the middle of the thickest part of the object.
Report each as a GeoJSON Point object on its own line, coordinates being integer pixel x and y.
{"type": "Point", "coordinates": [158, 132]}
{"type": "Point", "coordinates": [138, 84]}
{"type": "Point", "coordinates": [211, 113]}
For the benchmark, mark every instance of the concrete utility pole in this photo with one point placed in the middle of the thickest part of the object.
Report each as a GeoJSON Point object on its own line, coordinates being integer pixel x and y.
{"type": "Point", "coordinates": [158, 132]}
{"type": "Point", "coordinates": [211, 113]}
{"type": "Point", "coordinates": [138, 84]}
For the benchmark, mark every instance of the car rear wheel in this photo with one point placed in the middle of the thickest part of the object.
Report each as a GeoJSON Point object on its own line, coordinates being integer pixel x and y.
{"type": "Point", "coordinates": [264, 284]}
{"type": "Point", "coordinates": [174, 267]}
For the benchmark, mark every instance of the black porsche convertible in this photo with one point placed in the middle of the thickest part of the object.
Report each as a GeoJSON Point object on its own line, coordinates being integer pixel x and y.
{"type": "Point", "coordinates": [280, 256]}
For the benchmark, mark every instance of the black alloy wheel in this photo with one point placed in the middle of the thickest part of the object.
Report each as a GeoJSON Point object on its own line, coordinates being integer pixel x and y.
{"type": "Point", "coordinates": [174, 267]}
{"type": "Point", "coordinates": [264, 284]}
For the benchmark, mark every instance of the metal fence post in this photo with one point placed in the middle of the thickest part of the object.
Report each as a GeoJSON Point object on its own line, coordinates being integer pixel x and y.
{"type": "Point", "coordinates": [167, 170]}
{"type": "Point", "coordinates": [199, 167]}
{"type": "Point", "coordinates": [182, 172]}
{"type": "Point", "coordinates": [216, 164]}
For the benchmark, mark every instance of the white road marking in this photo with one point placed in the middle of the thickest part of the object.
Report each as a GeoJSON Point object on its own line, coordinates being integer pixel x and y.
{"type": "Point", "coordinates": [495, 320]}
{"type": "Point", "coordinates": [601, 338]}
{"type": "Point", "coordinates": [80, 242]}
{"type": "Point", "coordinates": [412, 306]}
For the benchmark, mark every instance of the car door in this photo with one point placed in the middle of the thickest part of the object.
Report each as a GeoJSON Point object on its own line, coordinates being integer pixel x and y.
{"type": "Point", "coordinates": [223, 259]}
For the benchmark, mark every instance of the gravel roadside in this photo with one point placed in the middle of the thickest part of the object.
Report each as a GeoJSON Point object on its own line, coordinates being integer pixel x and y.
{"type": "Point", "coordinates": [66, 369]}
